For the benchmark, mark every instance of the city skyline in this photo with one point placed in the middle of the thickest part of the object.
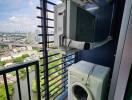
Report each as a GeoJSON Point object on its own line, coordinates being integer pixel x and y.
{"type": "Point", "coordinates": [20, 15]}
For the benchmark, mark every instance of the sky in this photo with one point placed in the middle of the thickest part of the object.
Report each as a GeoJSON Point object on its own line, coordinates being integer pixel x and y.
{"type": "Point", "coordinates": [20, 15]}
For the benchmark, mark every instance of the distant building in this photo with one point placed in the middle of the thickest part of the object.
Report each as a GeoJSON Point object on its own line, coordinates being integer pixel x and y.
{"type": "Point", "coordinates": [31, 37]}
{"type": "Point", "coordinates": [15, 50]}
{"type": "Point", "coordinates": [22, 48]}
{"type": "Point", "coordinates": [38, 38]}
{"type": "Point", "coordinates": [6, 59]}
{"type": "Point", "coordinates": [16, 55]}
{"type": "Point", "coordinates": [29, 48]}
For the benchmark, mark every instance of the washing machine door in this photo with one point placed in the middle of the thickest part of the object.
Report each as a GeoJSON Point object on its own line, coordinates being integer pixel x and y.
{"type": "Point", "coordinates": [81, 92]}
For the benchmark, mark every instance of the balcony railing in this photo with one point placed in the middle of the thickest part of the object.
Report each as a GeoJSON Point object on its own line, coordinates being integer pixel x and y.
{"type": "Point", "coordinates": [15, 69]}
{"type": "Point", "coordinates": [55, 82]}
{"type": "Point", "coordinates": [53, 73]}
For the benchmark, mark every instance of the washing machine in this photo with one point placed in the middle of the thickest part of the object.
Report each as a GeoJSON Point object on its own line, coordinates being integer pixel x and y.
{"type": "Point", "coordinates": [87, 81]}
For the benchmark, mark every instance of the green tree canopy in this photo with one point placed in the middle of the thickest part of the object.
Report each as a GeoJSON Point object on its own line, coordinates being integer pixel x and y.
{"type": "Point", "coordinates": [2, 63]}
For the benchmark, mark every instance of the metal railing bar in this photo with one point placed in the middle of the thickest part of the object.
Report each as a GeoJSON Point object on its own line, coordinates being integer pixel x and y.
{"type": "Point", "coordinates": [50, 42]}
{"type": "Point", "coordinates": [6, 87]}
{"type": "Point", "coordinates": [43, 4]}
{"type": "Point", "coordinates": [18, 85]}
{"type": "Point", "coordinates": [67, 56]}
{"type": "Point", "coordinates": [56, 71]}
{"type": "Point", "coordinates": [40, 42]}
{"type": "Point", "coordinates": [54, 60]}
{"type": "Point", "coordinates": [28, 83]}
{"type": "Point", "coordinates": [51, 3]}
{"type": "Point", "coordinates": [58, 85]}
{"type": "Point", "coordinates": [62, 88]}
{"type": "Point", "coordinates": [53, 54]}
{"type": "Point", "coordinates": [49, 27]}
{"type": "Point", "coordinates": [16, 67]}
{"type": "Point", "coordinates": [50, 19]}
{"type": "Point", "coordinates": [50, 11]}
{"type": "Point", "coordinates": [59, 69]}
{"type": "Point", "coordinates": [39, 17]}
{"type": "Point", "coordinates": [55, 92]}
{"type": "Point", "coordinates": [43, 83]}
{"type": "Point", "coordinates": [58, 75]}
{"type": "Point", "coordinates": [44, 94]}
{"type": "Point", "coordinates": [61, 63]}
{"type": "Point", "coordinates": [39, 8]}
{"type": "Point", "coordinates": [47, 42]}
{"type": "Point", "coordinates": [40, 26]}
{"type": "Point", "coordinates": [57, 81]}
{"type": "Point", "coordinates": [55, 66]}
{"type": "Point", "coordinates": [59, 93]}
{"type": "Point", "coordinates": [43, 90]}
{"type": "Point", "coordinates": [38, 80]}
{"type": "Point", "coordinates": [43, 70]}
{"type": "Point", "coordinates": [50, 55]}
{"type": "Point", "coordinates": [47, 34]}
{"type": "Point", "coordinates": [50, 34]}
{"type": "Point", "coordinates": [60, 58]}
{"type": "Point", "coordinates": [40, 34]}
{"type": "Point", "coordinates": [42, 78]}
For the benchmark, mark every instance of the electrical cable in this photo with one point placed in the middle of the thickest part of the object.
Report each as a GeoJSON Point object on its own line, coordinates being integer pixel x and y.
{"type": "Point", "coordinates": [90, 73]}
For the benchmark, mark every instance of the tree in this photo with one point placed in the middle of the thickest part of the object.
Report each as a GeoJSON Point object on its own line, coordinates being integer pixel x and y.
{"type": "Point", "coordinates": [18, 60]}
{"type": "Point", "coordinates": [3, 92]}
{"type": "Point", "coordinates": [2, 63]}
{"type": "Point", "coordinates": [52, 70]}
{"type": "Point", "coordinates": [25, 56]}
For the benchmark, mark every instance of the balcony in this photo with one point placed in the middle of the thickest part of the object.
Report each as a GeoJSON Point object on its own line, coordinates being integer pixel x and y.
{"type": "Point", "coordinates": [12, 75]}
{"type": "Point", "coordinates": [50, 74]}
{"type": "Point", "coordinates": [27, 82]}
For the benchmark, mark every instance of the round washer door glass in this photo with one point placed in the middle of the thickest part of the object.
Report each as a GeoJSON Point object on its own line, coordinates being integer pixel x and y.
{"type": "Point", "coordinates": [80, 93]}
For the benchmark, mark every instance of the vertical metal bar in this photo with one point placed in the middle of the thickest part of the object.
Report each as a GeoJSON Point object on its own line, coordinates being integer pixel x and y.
{"type": "Point", "coordinates": [76, 57]}
{"type": "Point", "coordinates": [64, 70]}
{"type": "Point", "coordinates": [6, 86]}
{"type": "Point", "coordinates": [28, 83]}
{"type": "Point", "coordinates": [18, 85]}
{"type": "Point", "coordinates": [43, 5]}
{"type": "Point", "coordinates": [38, 81]}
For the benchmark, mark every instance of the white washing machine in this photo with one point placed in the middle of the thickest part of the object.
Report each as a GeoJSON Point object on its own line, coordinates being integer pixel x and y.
{"type": "Point", "coordinates": [87, 81]}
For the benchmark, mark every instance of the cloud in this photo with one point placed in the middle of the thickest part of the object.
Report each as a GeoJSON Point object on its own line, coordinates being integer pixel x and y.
{"type": "Point", "coordinates": [15, 23]}
{"type": "Point", "coordinates": [13, 18]}
{"type": "Point", "coordinates": [20, 15]}
{"type": "Point", "coordinates": [23, 23]}
{"type": "Point", "coordinates": [31, 3]}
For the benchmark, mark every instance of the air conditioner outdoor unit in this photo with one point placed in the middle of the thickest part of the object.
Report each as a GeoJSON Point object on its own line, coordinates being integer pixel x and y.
{"type": "Point", "coordinates": [75, 27]}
